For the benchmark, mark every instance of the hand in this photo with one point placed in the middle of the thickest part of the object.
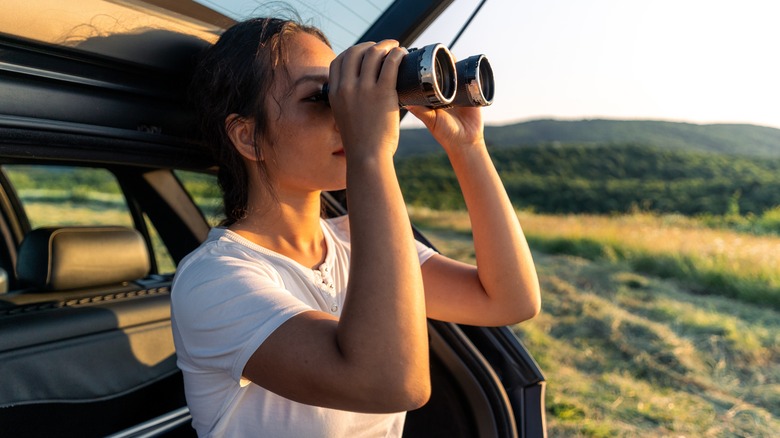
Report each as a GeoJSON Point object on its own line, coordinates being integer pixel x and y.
{"type": "Point", "coordinates": [454, 128]}
{"type": "Point", "coordinates": [362, 95]}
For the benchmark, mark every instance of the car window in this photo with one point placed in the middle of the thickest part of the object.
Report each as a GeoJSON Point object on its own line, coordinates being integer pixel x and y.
{"type": "Point", "coordinates": [204, 190]}
{"type": "Point", "coordinates": [64, 195]}
{"type": "Point", "coordinates": [70, 195]}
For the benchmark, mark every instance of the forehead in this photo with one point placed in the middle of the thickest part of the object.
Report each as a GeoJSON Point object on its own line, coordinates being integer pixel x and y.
{"type": "Point", "coordinates": [307, 53]}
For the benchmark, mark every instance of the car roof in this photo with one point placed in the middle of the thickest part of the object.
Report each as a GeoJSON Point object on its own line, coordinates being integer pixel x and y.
{"type": "Point", "coordinates": [146, 32]}
{"type": "Point", "coordinates": [105, 80]}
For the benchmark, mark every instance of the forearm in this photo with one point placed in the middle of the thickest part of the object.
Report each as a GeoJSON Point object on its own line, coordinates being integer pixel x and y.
{"type": "Point", "coordinates": [383, 324]}
{"type": "Point", "coordinates": [505, 265]}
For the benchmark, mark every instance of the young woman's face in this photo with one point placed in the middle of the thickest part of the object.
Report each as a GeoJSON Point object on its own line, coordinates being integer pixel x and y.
{"type": "Point", "coordinates": [307, 154]}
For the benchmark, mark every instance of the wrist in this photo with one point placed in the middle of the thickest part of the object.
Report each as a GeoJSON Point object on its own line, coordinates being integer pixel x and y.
{"type": "Point", "coordinates": [471, 149]}
{"type": "Point", "coordinates": [363, 162]}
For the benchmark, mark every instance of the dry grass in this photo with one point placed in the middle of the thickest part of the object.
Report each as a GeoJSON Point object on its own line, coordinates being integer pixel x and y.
{"type": "Point", "coordinates": [630, 354]}
{"type": "Point", "coordinates": [753, 256]}
{"type": "Point", "coordinates": [42, 214]}
{"type": "Point", "coordinates": [757, 255]}
{"type": "Point", "coordinates": [712, 260]}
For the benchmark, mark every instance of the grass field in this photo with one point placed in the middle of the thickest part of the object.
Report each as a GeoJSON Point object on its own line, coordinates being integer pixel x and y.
{"type": "Point", "coordinates": [709, 260]}
{"type": "Point", "coordinates": [627, 352]}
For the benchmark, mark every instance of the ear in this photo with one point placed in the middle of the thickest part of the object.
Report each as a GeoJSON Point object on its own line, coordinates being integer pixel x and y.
{"type": "Point", "coordinates": [241, 131]}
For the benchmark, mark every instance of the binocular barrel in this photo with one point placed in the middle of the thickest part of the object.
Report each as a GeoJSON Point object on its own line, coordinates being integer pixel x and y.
{"type": "Point", "coordinates": [475, 82]}
{"type": "Point", "coordinates": [429, 76]}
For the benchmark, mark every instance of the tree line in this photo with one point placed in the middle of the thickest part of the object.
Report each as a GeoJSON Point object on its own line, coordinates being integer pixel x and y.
{"type": "Point", "coordinates": [617, 178]}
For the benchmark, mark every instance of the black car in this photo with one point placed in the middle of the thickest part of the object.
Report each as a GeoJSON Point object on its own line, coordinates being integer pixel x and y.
{"type": "Point", "coordinates": [103, 189]}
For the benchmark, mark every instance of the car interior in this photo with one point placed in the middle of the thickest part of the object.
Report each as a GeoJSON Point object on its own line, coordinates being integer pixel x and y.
{"type": "Point", "coordinates": [85, 332]}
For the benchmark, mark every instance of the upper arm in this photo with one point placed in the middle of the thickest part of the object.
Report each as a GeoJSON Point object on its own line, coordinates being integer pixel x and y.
{"type": "Point", "coordinates": [256, 330]}
{"type": "Point", "coordinates": [303, 361]}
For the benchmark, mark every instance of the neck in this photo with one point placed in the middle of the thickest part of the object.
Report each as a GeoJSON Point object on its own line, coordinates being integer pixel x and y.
{"type": "Point", "coordinates": [290, 227]}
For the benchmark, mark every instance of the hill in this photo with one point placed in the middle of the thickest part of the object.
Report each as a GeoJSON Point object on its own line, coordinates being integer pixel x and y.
{"type": "Point", "coordinates": [607, 179]}
{"type": "Point", "coordinates": [731, 139]}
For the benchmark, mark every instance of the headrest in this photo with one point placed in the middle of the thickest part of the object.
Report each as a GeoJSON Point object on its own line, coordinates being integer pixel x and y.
{"type": "Point", "coordinates": [60, 258]}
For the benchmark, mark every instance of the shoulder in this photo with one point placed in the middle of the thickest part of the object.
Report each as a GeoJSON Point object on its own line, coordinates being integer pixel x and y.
{"type": "Point", "coordinates": [219, 262]}
{"type": "Point", "coordinates": [224, 251]}
{"type": "Point", "coordinates": [234, 283]}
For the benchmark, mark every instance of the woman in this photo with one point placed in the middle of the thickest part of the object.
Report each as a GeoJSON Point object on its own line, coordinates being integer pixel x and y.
{"type": "Point", "coordinates": [290, 325]}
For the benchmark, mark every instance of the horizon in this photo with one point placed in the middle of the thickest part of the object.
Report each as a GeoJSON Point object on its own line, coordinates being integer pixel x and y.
{"type": "Point", "coordinates": [609, 119]}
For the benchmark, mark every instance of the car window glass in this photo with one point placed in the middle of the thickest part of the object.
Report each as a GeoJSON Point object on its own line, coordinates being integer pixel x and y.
{"type": "Point", "coordinates": [204, 190]}
{"type": "Point", "coordinates": [69, 195]}
{"type": "Point", "coordinates": [342, 21]}
{"type": "Point", "coordinates": [64, 195]}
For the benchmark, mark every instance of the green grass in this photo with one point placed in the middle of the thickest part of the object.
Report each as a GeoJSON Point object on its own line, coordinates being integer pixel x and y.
{"type": "Point", "coordinates": [703, 276]}
{"type": "Point", "coordinates": [711, 261]}
{"type": "Point", "coordinates": [630, 353]}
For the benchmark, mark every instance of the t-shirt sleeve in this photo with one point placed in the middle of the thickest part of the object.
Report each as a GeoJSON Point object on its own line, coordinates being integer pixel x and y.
{"type": "Point", "coordinates": [224, 308]}
{"type": "Point", "coordinates": [424, 252]}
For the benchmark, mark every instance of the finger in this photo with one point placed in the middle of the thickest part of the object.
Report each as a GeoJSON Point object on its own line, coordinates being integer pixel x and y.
{"type": "Point", "coordinates": [374, 59]}
{"type": "Point", "coordinates": [350, 64]}
{"type": "Point", "coordinates": [388, 76]}
{"type": "Point", "coordinates": [334, 73]}
{"type": "Point", "coordinates": [344, 64]}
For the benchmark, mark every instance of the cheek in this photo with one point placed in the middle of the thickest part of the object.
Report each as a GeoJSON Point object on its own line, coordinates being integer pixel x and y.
{"type": "Point", "coordinates": [289, 157]}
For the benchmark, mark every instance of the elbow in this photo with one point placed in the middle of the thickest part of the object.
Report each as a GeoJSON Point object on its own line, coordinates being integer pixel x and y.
{"type": "Point", "coordinates": [408, 396]}
{"type": "Point", "coordinates": [417, 397]}
{"type": "Point", "coordinates": [532, 304]}
{"type": "Point", "coordinates": [526, 307]}
{"type": "Point", "coordinates": [519, 314]}
{"type": "Point", "coordinates": [531, 309]}
{"type": "Point", "coordinates": [390, 387]}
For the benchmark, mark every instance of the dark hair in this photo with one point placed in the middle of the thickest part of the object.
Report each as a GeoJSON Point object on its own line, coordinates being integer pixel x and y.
{"type": "Point", "coordinates": [233, 77]}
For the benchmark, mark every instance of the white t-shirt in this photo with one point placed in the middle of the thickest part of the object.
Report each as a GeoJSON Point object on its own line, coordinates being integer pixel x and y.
{"type": "Point", "coordinates": [228, 296]}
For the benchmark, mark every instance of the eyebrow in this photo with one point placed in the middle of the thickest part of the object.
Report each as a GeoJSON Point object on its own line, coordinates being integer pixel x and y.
{"type": "Point", "coordinates": [321, 78]}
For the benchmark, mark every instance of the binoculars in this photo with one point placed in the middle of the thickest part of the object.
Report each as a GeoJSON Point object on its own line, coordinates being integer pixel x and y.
{"type": "Point", "coordinates": [430, 77]}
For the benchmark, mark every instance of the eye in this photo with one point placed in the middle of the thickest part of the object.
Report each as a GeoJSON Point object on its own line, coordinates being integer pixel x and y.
{"type": "Point", "coordinates": [319, 96]}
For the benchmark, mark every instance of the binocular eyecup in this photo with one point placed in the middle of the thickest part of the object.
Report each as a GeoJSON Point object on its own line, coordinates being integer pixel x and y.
{"type": "Point", "coordinates": [429, 76]}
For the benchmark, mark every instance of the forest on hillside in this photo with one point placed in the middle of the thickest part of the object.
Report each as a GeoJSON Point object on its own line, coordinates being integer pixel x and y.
{"type": "Point", "coordinates": [729, 139]}
{"type": "Point", "coordinates": [579, 178]}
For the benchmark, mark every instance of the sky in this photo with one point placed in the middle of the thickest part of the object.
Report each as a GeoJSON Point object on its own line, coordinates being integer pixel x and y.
{"type": "Point", "coordinates": [697, 61]}
{"type": "Point", "coordinates": [681, 60]}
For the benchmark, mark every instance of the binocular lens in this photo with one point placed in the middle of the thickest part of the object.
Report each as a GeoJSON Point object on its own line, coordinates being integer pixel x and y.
{"type": "Point", "coordinates": [475, 82]}
{"type": "Point", "coordinates": [427, 77]}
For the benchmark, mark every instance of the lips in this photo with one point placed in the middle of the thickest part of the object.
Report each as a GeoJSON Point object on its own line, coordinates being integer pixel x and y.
{"type": "Point", "coordinates": [339, 153]}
